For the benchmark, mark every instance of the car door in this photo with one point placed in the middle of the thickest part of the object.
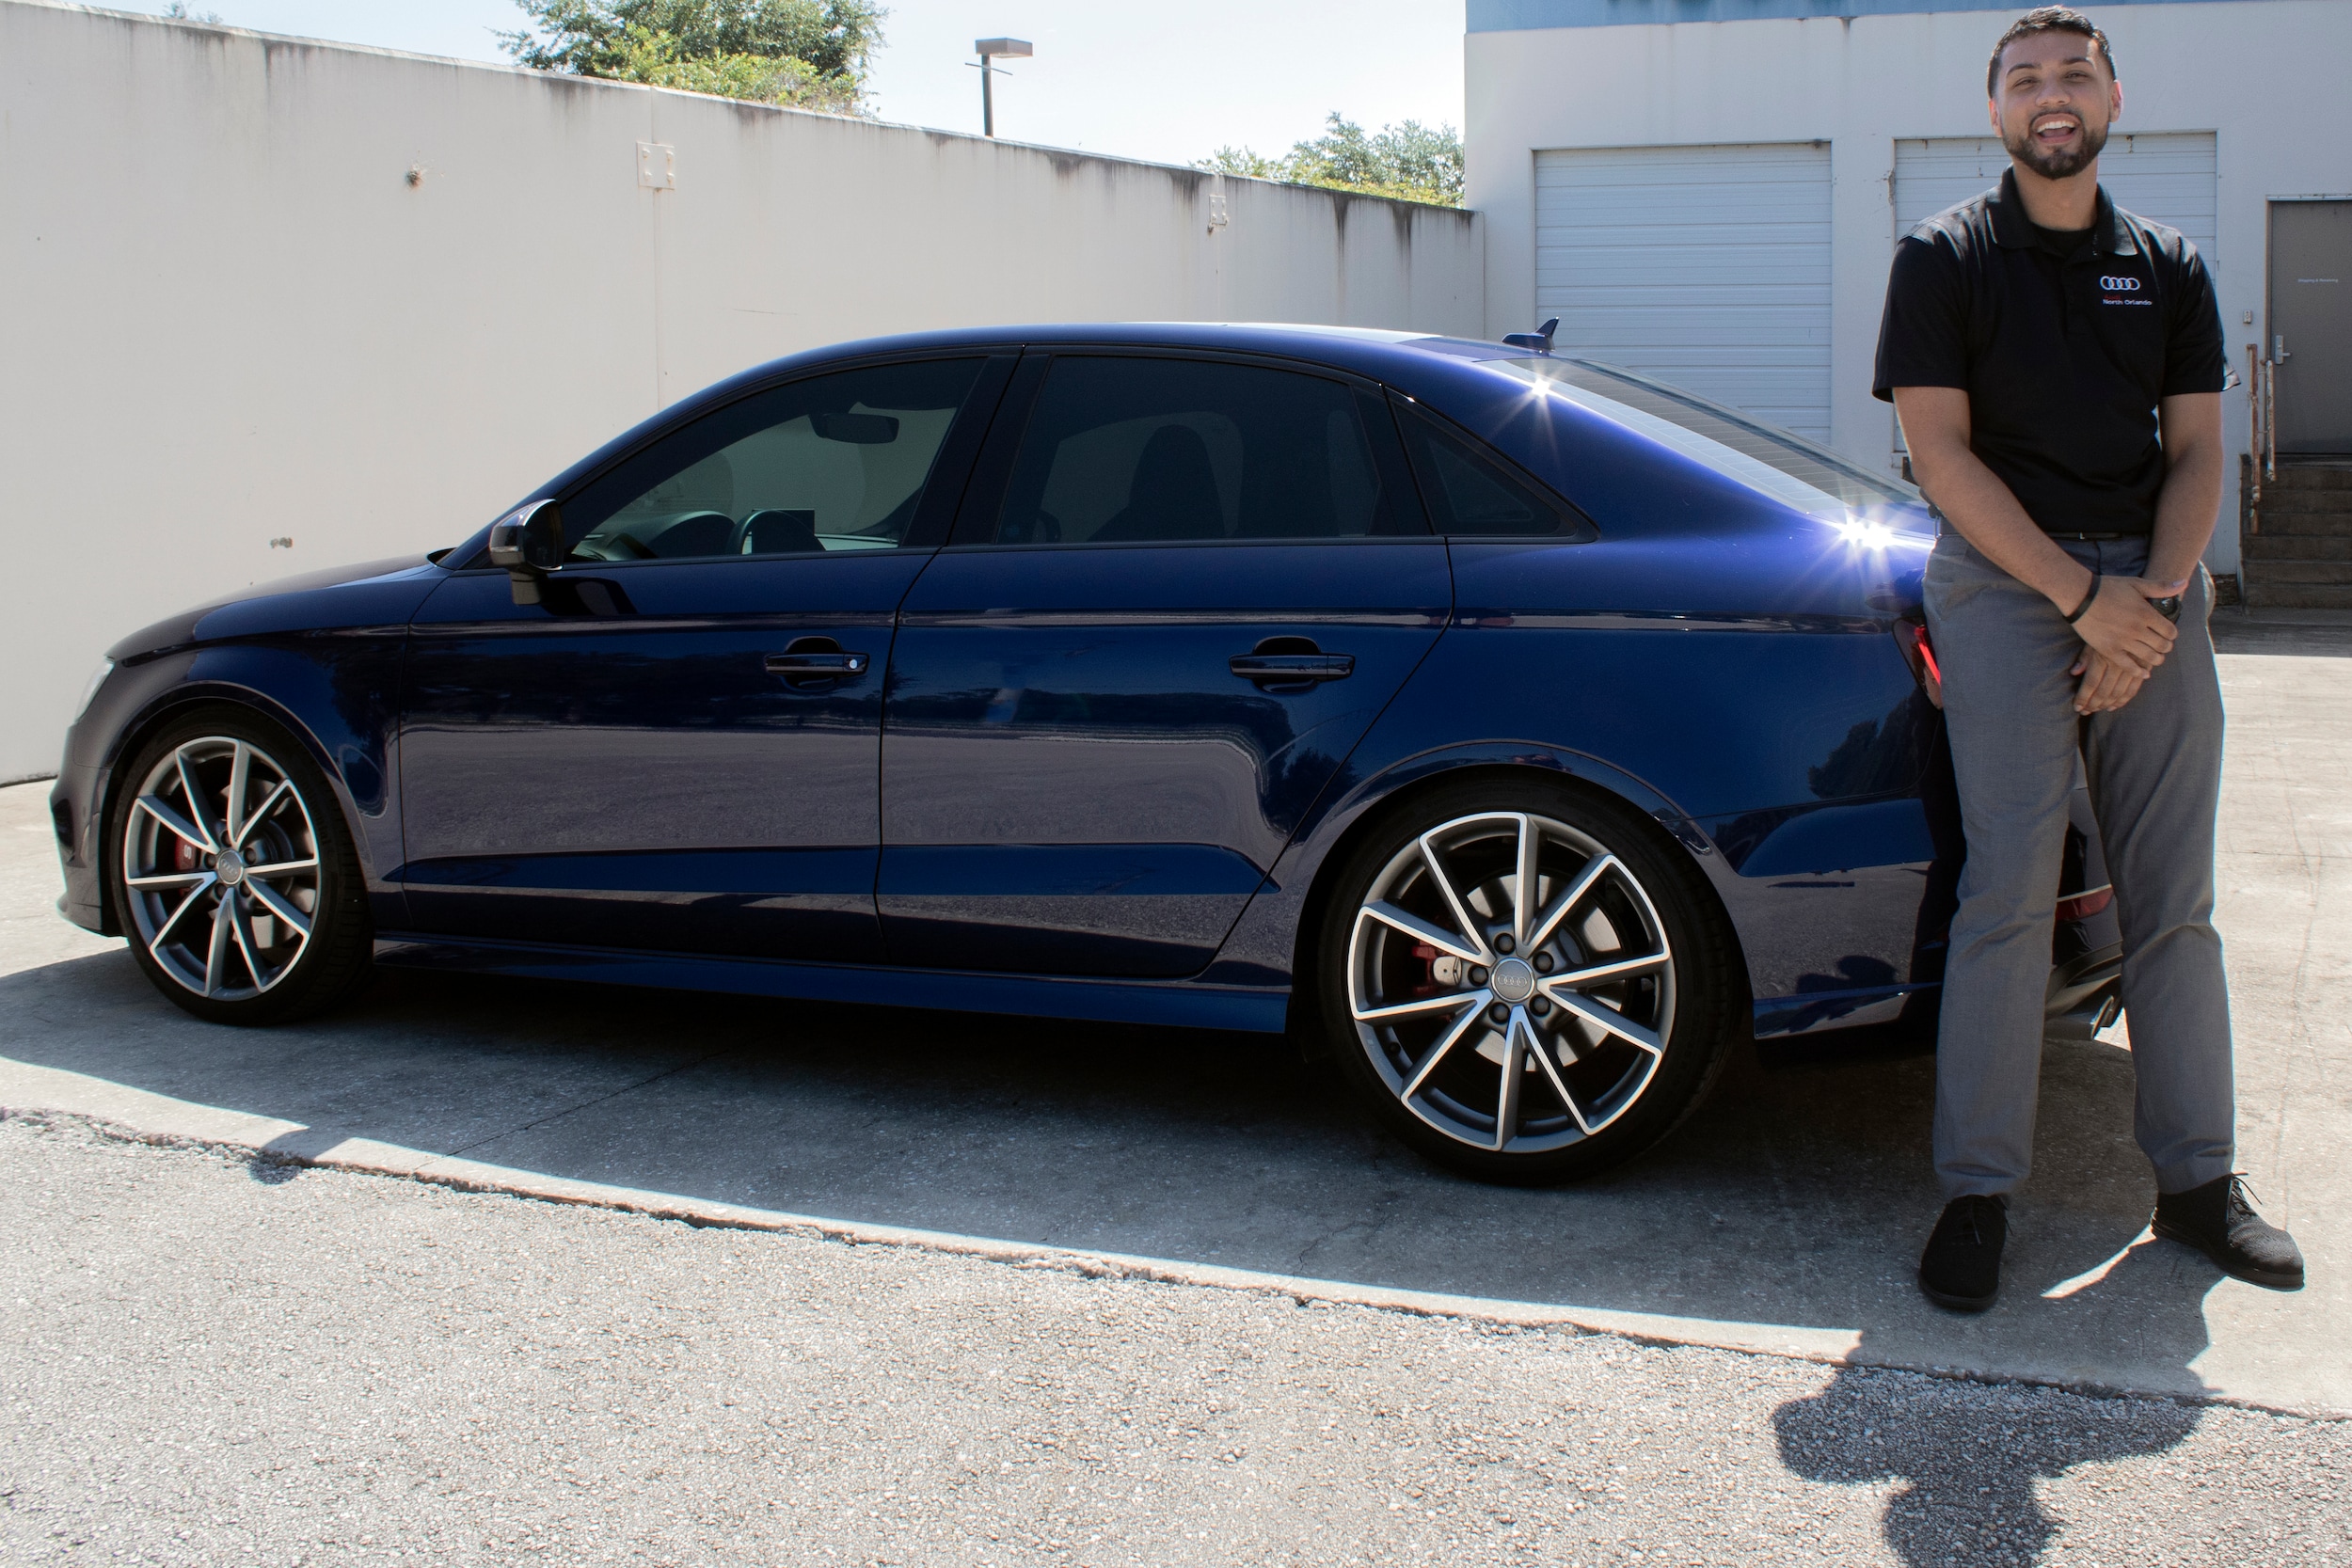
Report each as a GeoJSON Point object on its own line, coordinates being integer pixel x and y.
{"type": "Point", "coordinates": [677, 749]}
{"type": "Point", "coordinates": [1180, 590]}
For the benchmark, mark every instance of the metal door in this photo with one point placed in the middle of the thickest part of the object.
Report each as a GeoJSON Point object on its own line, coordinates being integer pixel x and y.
{"type": "Point", "coordinates": [2311, 323]}
{"type": "Point", "coordinates": [1109, 711]}
{"type": "Point", "coordinates": [677, 748]}
{"type": "Point", "coordinates": [1705, 266]}
{"type": "Point", "coordinates": [643, 780]}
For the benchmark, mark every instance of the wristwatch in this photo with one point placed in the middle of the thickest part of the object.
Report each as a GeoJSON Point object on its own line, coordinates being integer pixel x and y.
{"type": "Point", "coordinates": [2168, 607]}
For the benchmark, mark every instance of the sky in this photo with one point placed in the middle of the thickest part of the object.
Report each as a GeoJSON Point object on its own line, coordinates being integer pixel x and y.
{"type": "Point", "coordinates": [1167, 82]}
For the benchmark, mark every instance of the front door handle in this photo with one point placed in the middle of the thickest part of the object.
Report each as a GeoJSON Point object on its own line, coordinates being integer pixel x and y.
{"type": "Point", "coordinates": [813, 660]}
{"type": "Point", "coordinates": [816, 664]}
{"type": "Point", "coordinates": [1291, 669]}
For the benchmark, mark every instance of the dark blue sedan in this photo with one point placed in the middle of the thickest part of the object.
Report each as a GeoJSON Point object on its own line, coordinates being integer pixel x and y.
{"type": "Point", "coordinates": [1521, 732]}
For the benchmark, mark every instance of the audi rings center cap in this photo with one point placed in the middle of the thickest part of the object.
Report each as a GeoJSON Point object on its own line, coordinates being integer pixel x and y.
{"type": "Point", "coordinates": [1514, 981]}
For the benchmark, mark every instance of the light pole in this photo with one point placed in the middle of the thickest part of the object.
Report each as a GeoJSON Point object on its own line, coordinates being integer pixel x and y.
{"type": "Point", "coordinates": [990, 50]}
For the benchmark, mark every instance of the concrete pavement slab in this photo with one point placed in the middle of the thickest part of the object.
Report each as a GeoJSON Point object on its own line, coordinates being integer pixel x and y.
{"type": "Point", "coordinates": [1787, 1215]}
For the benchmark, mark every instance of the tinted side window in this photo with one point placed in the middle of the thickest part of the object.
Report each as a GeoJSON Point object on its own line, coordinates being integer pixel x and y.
{"type": "Point", "coordinates": [832, 463]}
{"type": "Point", "coordinates": [1126, 451]}
{"type": "Point", "coordinates": [1470, 492]}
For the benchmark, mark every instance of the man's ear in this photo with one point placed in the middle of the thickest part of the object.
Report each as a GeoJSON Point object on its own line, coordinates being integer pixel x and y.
{"type": "Point", "coordinates": [2115, 102]}
{"type": "Point", "coordinates": [1992, 113]}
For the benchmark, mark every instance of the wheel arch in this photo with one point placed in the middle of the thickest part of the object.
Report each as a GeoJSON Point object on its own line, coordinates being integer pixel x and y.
{"type": "Point", "coordinates": [151, 721]}
{"type": "Point", "coordinates": [1372, 802]}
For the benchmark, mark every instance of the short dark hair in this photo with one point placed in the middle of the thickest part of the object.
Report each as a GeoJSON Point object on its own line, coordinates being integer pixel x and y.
{"type": "Point", "coordinates": [2045, 18]}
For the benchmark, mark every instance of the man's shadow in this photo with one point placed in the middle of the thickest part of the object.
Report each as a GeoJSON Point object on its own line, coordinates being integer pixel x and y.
{"type": "Point", "coordinates": [1970, 1454]}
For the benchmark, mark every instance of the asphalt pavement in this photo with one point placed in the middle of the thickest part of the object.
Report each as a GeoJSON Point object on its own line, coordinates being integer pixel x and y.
{"type": "Point", "coordinates": [211, 1357]}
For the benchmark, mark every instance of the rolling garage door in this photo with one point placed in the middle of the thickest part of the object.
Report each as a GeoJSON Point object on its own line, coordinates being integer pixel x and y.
{"type": "Point", "coordinates": [2167, 177]}
{"type": "Point", "coordinates": [1705, 266]}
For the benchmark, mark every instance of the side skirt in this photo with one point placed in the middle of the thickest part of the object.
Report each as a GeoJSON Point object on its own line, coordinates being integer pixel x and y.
{"type": "Point", "coordinates": [2084, 998]}
{"type": "Point", "coordinates": [1802, 1014]}
{"type": "Point", "coordinates": [1180, 1003]}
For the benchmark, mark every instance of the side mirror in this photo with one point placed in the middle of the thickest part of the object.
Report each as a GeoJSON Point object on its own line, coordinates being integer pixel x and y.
{"type": "Point", "coordinates": [529, 542]}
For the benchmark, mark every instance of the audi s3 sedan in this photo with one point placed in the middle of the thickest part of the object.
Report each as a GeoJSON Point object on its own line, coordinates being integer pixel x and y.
{"type": "Point", "coordinates": [1521, 732]}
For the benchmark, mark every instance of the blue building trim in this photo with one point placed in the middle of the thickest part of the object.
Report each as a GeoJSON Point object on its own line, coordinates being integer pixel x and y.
{"type": "Point", "coordinates": [1505, 16]}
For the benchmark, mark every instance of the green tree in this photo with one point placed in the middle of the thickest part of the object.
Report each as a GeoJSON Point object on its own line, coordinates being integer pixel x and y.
{"type": "Point", "coordinates": [1409, 160]}
{"type": "Point", "coordinates": [809, 54]}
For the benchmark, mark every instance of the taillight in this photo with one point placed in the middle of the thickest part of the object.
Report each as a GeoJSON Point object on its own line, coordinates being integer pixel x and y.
{"type": "Point", "coordinates": [2084, 904]}
{"type": "Point", "coordinates": [1912, 638]}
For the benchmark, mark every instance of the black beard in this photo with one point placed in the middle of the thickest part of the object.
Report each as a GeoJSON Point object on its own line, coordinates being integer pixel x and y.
{"type": "Point", "coordinates": [2061, 164]}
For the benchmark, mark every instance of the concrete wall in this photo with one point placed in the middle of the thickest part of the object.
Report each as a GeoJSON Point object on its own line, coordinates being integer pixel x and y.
{"type": "Point", "coordinates": [2267, 76]}
{"type": "Point", "coordinates": [230, 318]}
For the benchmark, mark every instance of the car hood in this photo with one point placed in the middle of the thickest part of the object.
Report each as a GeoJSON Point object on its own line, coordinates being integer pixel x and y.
{"type": "Point", "coordinates": [375, 593]}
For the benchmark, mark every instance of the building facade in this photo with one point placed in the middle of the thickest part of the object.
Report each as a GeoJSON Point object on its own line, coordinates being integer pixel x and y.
{"type": "Point", "coordinates": [1709, 190]}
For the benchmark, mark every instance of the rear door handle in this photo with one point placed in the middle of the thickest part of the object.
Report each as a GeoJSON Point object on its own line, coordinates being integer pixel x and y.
{"type": "Point", "coordinates": [1291, 669]}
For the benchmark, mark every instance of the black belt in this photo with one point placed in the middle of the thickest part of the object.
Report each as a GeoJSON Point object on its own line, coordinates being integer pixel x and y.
{"type": "Point", "coordinates": [1943, 526]}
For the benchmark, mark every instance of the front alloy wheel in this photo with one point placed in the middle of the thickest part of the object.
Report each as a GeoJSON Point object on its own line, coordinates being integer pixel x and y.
{"type": "Point", "coordinates": [235, 877]}
{"type": "Point", "coordinates": [221, 860]}
{"type": "Point", "coordinates": [1515, 986]}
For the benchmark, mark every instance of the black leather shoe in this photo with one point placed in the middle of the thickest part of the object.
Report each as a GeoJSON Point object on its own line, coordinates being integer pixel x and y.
{"type": "Point", "coordinates": [1962, 1267]}
{"type": "Point", "coordinates": [2218, 1220]}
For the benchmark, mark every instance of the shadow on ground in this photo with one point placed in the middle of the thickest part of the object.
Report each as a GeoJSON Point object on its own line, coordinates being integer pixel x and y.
{"type": "Point", "coordinates": [1799, 1195]}
{"type": "Point", "coordinates": [1967, 1466]}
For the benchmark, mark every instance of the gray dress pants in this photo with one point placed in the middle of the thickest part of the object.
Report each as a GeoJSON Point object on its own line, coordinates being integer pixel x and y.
{"type": "Point", "coordinates": [2154, 771]}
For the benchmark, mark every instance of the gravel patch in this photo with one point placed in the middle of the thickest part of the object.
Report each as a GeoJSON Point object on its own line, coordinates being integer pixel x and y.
{"type": "Point", "coordinates": [211, 1359]}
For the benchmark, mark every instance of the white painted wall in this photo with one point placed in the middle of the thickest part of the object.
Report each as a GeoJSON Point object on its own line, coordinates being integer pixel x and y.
{"type": "Point", "coordinates": [2267, 76]}
{"type": "Point", "coordinates": [229, 318]}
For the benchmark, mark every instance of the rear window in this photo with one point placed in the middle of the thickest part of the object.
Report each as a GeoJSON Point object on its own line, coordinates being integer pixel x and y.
{"type": "Point", "coordinates": [1127, 450]}
{"type": "Point", "coordinates": [1790, 468]}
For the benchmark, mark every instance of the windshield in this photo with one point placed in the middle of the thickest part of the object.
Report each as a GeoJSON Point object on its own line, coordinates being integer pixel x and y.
{"type": "Point", "coordinates": [1790, 468]}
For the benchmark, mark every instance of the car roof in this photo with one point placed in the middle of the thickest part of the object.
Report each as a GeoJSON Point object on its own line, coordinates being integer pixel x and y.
{"type": "Point", "coordinates": [1417, 363]}
{"type": "Point", "coordinates": [1370, 350]}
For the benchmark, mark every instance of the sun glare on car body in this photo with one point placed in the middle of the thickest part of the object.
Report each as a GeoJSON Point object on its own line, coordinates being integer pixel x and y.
{"type": "Point", "coordinates": [1869, 533]}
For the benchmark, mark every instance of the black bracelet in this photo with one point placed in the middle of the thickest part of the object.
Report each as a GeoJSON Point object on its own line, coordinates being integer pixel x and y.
{"type": "Point", "coordinates": [2086, 598]}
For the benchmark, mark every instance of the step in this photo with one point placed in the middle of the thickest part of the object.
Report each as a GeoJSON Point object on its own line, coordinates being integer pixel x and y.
{"type": "Point", "coordinates": [2316, 503]}
{"type": "Point", "coordinates": [2315, 525]}
{"type": "Point", "coordinates": [2300, 595]}
{"type": "Point", "coordinates": [2275, 573]}
{"type": "Point", "coordinates": [2312, 476]}
{"type": "Point", "coordinates": [2271, 544]}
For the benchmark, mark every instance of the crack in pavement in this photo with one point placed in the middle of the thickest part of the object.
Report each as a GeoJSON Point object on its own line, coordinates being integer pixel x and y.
{"type": "Point", "coordinates": [558, 1116]}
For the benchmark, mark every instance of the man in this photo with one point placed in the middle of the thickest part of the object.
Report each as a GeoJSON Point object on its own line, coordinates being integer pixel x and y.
{"type": "Point", "coordinates": [2057, 365]}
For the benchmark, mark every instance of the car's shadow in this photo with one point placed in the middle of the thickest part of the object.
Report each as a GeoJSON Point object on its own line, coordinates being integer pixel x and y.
{"type": "Point", "coordinates": [1798, 1196]}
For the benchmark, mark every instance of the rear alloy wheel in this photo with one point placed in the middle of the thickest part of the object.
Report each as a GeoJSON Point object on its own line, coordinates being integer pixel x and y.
{"type": "Point", "coordinates": [1527, 988]}
{"type": "Point", "coordinates": [235, 877]}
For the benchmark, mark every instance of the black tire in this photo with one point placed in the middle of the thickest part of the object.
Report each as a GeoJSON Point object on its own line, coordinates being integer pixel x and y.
{"type": "Point", "coordinates": [169, 873]}
{"type": "Point", "coordinates": [1645, 918]}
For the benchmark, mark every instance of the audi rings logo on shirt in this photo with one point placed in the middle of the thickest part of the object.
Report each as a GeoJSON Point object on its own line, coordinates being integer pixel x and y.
{"type": "Point", "coordinates": [2120, 285]}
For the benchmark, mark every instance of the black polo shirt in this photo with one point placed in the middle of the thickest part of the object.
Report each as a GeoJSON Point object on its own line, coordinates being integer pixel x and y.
{"type": "Point", "coordinates": [2063, 358]}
